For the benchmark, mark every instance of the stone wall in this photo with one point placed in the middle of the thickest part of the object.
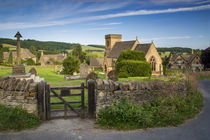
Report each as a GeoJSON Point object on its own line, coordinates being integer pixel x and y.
{"type": "Point", "coordinates": [108, 91]}
{"type": "Point", "coordinates": [19, 93]}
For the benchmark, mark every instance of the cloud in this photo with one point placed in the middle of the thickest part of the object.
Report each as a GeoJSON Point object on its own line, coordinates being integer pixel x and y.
{"type": "Point", "coordinates": [112, 23]}
{"type": "Point", "coordinates": [14, 25]}
{"type": "Point", "coordinates": [98, 29]}
{"type": "Point", "coordinates": [166, 38]}
{"type": "Point", "coordinates": [14, 4]}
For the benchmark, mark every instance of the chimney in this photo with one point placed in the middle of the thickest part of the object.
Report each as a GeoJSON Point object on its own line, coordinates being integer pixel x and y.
{"type": "Point", "coordinates": [192, 51]}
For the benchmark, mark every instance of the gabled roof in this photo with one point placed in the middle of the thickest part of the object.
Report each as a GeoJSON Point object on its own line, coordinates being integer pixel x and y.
{"type": "Point", "coordinates": [25, 53]}
{"type": "Point", "coordinates": [120, 46]}
{"type": "Point", "coordinates": [143, 47]}
{"type": "Point", "coordinates": [189, 57]}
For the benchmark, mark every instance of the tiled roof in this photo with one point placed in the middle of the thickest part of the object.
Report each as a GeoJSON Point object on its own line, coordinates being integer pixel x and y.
{"type": "Point", "coordinates": [120, 46]}
{"type": "Point", "coordinates": [143, 47]}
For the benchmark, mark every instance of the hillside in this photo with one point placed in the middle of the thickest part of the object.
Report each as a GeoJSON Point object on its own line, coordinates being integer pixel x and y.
{"type": "Point", "coordinates": [11, 47]}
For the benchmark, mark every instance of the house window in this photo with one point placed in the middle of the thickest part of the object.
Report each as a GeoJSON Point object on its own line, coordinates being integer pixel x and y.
{"type": "Point", "coordinates": [153, 63]}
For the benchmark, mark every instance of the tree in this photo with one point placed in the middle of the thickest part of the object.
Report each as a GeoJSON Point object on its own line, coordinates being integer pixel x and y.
{"type": "Point", "coordinates": [70, 65]}
{"type": "Point", "coordinates": [1, 54]}
{"type": "Point", "coordinates": [10, 59]}
{"type": "Point", "coordinates": [32, 49]}
{"type": "Point", "coordinates": [205, 58]}
{"type": "Point", "coordinates": [77, 51]}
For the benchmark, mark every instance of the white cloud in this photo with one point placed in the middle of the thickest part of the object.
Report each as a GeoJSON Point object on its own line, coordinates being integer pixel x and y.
{"type": "Point", "coordinates": [15, 25]}
{"type": "Point", "coordinates": [98, 29]}
{"type": "Point", "coordinates": [112, 23]}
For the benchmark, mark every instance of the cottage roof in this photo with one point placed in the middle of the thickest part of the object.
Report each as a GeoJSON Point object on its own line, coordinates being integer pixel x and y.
{"type": "Point", "coordinates": [56, 57]}
{"type": "Point", "coordinates": [189, 57]}
{"type": "Point", "coordinates": [25, 53]}
{"type": "Point", "coordinates": [143, 47]}
{"type": "Point", "coordinates": [120, 46]}
{"type": "Point", "coordinates": [96, 61]}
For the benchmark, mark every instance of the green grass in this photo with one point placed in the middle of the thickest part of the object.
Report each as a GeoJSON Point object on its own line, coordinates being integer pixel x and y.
{"type": "Point", "coordinates": [16, 119]}
{"type": "Point", "coordinates": [204, 77]}
{"type": "Point", "coordinates": [161, 112]}
{"type": "Point", "coordinates": [11, 47]}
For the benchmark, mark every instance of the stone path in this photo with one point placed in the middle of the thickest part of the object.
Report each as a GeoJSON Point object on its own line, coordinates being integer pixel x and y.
{"type": "Point", "coordinates": [77, 129]}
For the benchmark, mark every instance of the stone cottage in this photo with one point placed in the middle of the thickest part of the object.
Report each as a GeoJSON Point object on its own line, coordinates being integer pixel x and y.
{"type": "Point", "coordinates": [25, 55]}
{"type": "Point", "coordinates": [114, 46]}
{"type": "Point", "coordinates": [51, 59]}
{"type": "Point", "coordinates": [185, 62]}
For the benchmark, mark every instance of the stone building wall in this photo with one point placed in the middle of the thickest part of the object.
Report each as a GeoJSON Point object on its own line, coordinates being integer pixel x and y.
{"type": "Point", "coordinates": [19, 93]}
{"type": "Point", "coordinates": [108, 91]}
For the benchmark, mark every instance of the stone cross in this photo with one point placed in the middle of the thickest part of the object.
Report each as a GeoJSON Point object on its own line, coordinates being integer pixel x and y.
{"type": "Point", "coordinates": [18, 36]}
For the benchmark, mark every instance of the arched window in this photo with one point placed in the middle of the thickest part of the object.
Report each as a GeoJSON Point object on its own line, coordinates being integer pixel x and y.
{"type": "Point", "coordinates": [153, 63]}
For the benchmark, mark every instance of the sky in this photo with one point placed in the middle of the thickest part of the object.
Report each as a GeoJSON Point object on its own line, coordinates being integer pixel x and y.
{"type": "Point", "coordinates": [168, 23]}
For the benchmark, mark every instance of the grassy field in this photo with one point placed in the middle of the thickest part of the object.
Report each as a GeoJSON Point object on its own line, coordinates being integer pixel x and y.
{"type": "Point", "coordinates": [99, 52]}
{"type": "Point", "coordinates": [11, 47]}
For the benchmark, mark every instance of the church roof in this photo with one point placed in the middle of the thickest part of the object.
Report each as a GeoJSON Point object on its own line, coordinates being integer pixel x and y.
{"type": "Point", "coordinates": [120, 46]}
{"type": "Point", "coordinates": [143, 47]}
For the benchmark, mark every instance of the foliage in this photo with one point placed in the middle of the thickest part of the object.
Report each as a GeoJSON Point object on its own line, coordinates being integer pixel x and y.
{"type": "Point", "coordinates": [161, 112]}
{"type": "Point", "coordinates": [50, 47]}
{"type": "Point", "coordinates": [134, 68]}
{"type": "Point", "coordinates": [123, 75]}
{"type": "Point", "coordinates": [33, 50]}
{"type": "Point", "coordinates": [131, 55]}
{"type": "Point", "coordinates": [16, 119]}
{"type": "Point", "coordinates": [164, 70]}
{"type": "Point", "coordinates": [97, 46]}
{"type": "Point", "coordinates": [70, 65]}
{"type": "Point", "coordinates": [205, 58]}
{"type": "Point", "coordinates": [10, 59]}
{"type": "Point", "coordinates": [29, 61]}
{"type": "Point", "coordinates": [175, 50]}
{"type": "Point", "coordinates": [1, 54]}
{"type": "Point", "coordinates": [77, 52]}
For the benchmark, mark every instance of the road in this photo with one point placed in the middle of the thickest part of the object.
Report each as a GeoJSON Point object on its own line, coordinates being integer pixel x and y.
{"type": "Point", "coordinates": [76, 129]}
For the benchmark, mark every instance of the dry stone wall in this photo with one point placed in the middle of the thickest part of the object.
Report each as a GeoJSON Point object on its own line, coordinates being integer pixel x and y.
{"type": "Point", "coordinates": [107, 91]}
{"type": "Point", "coordinates": [19, 93]}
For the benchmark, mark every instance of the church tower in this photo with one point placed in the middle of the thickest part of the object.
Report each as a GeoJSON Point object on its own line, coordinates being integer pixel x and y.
{"type": "Point", "coordinates": [111, 39]}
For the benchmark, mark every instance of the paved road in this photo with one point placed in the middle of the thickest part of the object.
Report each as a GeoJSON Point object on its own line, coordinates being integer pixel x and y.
{"type": "Point", "coordinates": [196, 129]}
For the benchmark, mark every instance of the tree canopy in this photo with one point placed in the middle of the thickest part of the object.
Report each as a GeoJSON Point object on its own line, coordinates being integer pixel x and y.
{"type": "Point", "coordinates": [205, 58]}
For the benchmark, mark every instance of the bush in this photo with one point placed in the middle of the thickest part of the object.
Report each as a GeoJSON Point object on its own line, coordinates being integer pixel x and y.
{"type": "Point", "coordinates": [16, 119]}
{"type": "Point", "coordinates": [131, 55]}
{"type": "Point", "coordinates": [70, 65]}
{"type": "Point", "coordinates": [134, 68]}
{"type": "Point", "coordinates": [123, 75]}
{"type": "Point", "coordinates": [160, 112]}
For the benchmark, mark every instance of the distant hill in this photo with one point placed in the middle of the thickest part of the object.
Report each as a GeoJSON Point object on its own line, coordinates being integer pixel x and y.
{"type": "Point", "coordinates": [97, 46]}
{"type": "Point", "coordinates": [50, 47]}
{"type": "Point", "coordinates": [175, 50]}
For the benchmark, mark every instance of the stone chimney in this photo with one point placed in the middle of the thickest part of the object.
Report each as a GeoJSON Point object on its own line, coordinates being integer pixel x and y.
{"type": "Point", "coordinates": [192, 51]}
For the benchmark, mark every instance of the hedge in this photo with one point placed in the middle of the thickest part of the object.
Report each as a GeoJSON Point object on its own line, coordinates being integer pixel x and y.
{"type": "Point", "coordinates": [131, 55]}
{"type": "Point", "coordinates": [134, 68]}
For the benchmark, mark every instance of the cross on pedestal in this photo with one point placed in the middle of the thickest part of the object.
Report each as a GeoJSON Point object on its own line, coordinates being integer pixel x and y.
{"type": "Point", "coordinates": [18, 69]}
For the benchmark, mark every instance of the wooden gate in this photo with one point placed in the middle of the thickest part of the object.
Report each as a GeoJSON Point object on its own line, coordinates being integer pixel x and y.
{"type": "Point", "coordinates": [64, 99]}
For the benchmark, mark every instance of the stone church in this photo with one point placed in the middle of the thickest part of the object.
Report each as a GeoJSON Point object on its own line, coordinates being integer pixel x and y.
{"type": "Point", "coordinates": [114, 46]}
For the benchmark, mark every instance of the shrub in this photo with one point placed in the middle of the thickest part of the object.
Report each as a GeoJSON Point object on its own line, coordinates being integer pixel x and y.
{"type": "Point", "coordinates": [131, 55]}
{"type": "Point", "coordinates": [70, 65]}
{"type": "Point", "coordinates": [16, 119]}
{"type": "Point", "coordinates": [10, 59]}
{"type": "Point", "coordinates": [123, 75]}
{"type": "Point", "coordinates": [160, 112]}
{"type": "Point", "coordinates": [134, 68]}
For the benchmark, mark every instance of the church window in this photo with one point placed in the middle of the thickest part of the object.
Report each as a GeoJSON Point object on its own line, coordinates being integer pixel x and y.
{"type": "Point", "coordinates": [153, 63]}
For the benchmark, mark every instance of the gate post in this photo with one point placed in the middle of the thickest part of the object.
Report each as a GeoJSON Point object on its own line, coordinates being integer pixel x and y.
{"type": "Point", "coordinates": [41, 100]}
{"type": "Point", "coordinates": [91, 98]}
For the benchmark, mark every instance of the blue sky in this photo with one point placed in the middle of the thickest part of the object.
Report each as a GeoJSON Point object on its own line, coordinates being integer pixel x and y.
{"type": "Point", "coordinates": [169, 23]}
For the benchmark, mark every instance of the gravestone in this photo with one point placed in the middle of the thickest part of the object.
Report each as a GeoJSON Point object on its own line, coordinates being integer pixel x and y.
{"type": "Point", "coordinates": [84, 70]}
{"type": "Point", "coordinates": [93, 76]}
{"type": "Point", "coordinates": [113, 75]}
{"type": "Point", "coordinates": [33, 71]}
